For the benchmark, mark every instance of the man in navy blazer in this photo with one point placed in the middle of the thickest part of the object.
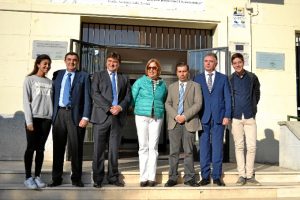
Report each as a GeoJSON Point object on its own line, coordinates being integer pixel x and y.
{"type": "Point", "coordinates": [215, 115]}
{"type": "Point", "coordinates": [70, 118]}
{"type": "Point", "coordinates": [108, 117]}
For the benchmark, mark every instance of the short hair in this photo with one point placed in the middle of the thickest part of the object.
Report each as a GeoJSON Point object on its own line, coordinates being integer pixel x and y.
{"type": "Point", "coordinates": [114, 55]}
{"type": "Point", "coordinates": [237, 55]}
{"type": "Point", "coordinates": [72, 54]}
{"type": "Point", "coordinates": [182, 64]}
{"type": "Point", "coordinates": [157, 64]}
{"type": "Point", "coordinates": [212, 55]}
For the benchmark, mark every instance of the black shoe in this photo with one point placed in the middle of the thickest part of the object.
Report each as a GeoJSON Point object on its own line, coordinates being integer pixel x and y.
{"type": "Point", "coordinates": [78, 183]}
{"type": "Point", "coordinates": [54, 183]}
{"type": "Point", "coordinates": [204, 182]}
{"type": "Point", "coordinates": [151, 183]}
{"type": "Point", "coordinates": [170, 183]}
{"type": "Point", "coordinates": [218, 182]}
{"type": "Point", "coordinates": [97, 185]}
{"type": "Point", "coordinates": [191, 183]}
{"type": "Point", "coordinates": [116, 183]}
{"type": "Point", "coordinates": [143, 183]}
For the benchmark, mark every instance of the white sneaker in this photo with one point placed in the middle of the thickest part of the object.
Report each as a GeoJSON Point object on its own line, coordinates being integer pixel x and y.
{"type": "Point", "coordinates": [29, 183]}
{"type": "Point", "coordinates": [38, 181]}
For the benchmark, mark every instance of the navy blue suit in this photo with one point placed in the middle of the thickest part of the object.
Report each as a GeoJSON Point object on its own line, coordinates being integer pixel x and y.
{"type": "Point", "coordinates": [66, 123]}
{"type": "Point", "coordinates": [216, 106]}
{"type": "Point", "coordinates": [80, 94]}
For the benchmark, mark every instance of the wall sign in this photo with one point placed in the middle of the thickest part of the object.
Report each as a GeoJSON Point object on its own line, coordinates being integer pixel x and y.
{"type": "Point", "coordinates": [239, 19]}
{"type": "Point", "coordinates": [191, 5]}
{"type": "Point", "coordinates": [265, 60]}
{"type": "Point", "coordinates": [55, 49]}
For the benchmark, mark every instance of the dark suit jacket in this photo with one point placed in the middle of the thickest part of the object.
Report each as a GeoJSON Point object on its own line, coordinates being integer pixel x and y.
{"type": "Point", "coordinates": [81, 102]}
{"type": "Point", "coordinates": [102, 97]}
{"type": "Point", "coordinates": [217, 104]}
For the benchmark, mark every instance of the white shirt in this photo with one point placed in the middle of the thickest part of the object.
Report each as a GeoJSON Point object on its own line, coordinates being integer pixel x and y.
{"type": "Point", "coordinates": [62, 88]}
{"type": "Point", "coordinates": [212, 77]}
{"type": "Point", "coordinates": [116, 79]}
{"type": "Point", "coordinates": [184, 85]}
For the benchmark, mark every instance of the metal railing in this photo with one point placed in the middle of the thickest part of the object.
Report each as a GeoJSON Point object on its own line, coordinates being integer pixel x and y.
{"type": "Point", "coordinates": [289, 117]}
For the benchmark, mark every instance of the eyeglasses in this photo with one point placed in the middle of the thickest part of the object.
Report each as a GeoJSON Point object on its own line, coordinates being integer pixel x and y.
{"type": "Point", "coordinates": [153, 68]}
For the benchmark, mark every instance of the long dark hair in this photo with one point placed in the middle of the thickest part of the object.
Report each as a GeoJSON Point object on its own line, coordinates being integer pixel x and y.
{"type": "Point", "coordinates": [38, 60]}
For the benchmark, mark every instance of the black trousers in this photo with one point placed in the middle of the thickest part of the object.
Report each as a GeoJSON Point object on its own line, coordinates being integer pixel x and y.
{"type": "Point", "coordinates": [105, 134]}
{"type": "Point", "coordinates": [36, 140]}
{"type": "Point", "coordinates": [64, 130]}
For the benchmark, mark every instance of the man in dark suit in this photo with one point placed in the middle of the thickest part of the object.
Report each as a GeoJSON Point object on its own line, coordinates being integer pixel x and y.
{"type": "Point", "coordinates": [215, 115]}
{"type": "Point", "coordinates": [183, 104]}
{"type": "Point", "coordinates": [71, 113]}
{"type": "Point", "coordinates": [111, 95]}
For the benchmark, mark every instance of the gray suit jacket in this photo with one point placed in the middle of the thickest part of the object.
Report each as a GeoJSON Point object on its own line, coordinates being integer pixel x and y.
{"type": "Point", "coordinates": [191, 105]}
{"type": "Point", "coordinates": [102, 97]}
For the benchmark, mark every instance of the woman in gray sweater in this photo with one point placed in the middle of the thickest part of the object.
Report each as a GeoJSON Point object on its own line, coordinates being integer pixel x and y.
{"type": "Point", "coordinates": [38, 108]}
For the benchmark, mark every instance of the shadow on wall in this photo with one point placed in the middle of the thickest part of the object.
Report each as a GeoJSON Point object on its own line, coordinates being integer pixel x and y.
{"type": "Point", "coordinates": [268, 148]}
{"type": "Point", "coordinates": [13, 136]}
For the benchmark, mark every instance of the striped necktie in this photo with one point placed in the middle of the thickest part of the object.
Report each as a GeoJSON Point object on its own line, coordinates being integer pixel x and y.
{"type": "Point", "coordinates": [180, 104]}
{"type": "Point", "coordinates": [209, 82]}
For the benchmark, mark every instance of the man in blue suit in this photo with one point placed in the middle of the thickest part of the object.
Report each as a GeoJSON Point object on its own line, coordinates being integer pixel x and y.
{"type": "Point", "coordinates": [215, 115]}
{"type": "Point", "coordinates": [71, 114]}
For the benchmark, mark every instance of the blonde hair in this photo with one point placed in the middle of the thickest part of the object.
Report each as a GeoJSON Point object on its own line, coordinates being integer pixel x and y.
{"type": "Point", "coordinates": [157, 65]}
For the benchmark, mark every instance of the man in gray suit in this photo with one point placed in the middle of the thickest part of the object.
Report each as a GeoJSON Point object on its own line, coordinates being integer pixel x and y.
{"type": "Point", "coordinates": [183, 104]}
{"type": "Point", "coordinates": [111, 95]}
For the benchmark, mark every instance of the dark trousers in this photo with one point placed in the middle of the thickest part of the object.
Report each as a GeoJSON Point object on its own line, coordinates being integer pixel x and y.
{"type": "Point", "coordinates": [36, 140]}
{"type": "Point", "coordinates": [180, 136]}
{"type": "Point", "coordinates": [64, 130]}
{"type": "Point", "coordinates": [105, 134]}
{"type": "Point", "coordinates": [211, 149]}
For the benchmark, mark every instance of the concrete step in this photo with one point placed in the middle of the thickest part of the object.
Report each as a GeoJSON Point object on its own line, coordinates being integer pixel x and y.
{"type": "Point", "coordinates": [12, 172]}
{"type": "Point", "coordinates": [277, 183]}
{"type": "Point", "coordinates": [133, 191]}
{"type": "Point", "coordinates": [161, 177]}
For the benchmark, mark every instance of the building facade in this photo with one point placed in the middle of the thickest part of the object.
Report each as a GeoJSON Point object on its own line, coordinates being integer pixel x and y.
{"type": "Point", "coordinates": [264, 31]}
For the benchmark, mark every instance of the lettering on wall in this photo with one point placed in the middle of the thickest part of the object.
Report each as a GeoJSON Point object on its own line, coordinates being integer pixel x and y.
{"type": "Point", "coordinates": [55, 49]}
{"type": "Point", "coordinates": [266, 60]}
{"type": "Point", "coordinates": [191, 5]}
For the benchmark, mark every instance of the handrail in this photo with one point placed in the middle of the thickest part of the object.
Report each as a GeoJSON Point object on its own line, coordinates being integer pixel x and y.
{"type": "Point", "coordinates": [289, 117]}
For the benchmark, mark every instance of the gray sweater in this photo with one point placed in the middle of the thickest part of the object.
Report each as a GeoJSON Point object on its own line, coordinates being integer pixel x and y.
{"type": "Point", "coordinates": [37, 98]}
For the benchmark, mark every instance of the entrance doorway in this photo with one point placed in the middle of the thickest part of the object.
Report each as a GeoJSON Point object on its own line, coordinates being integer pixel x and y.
{"type": "Point", "coordinates": [136, 45]}
{"type": "Point", "coordinates": [92, 59]}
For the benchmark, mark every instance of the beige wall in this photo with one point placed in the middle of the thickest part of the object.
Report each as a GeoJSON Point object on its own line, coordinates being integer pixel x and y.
{"type": "Point", "coordinates": [273, 30]}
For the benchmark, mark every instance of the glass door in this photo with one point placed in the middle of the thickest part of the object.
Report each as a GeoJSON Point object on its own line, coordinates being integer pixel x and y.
{"type": "Point", "coordinates": [92, 56]}
{"type": "Point", "coordinates": [92, 59]}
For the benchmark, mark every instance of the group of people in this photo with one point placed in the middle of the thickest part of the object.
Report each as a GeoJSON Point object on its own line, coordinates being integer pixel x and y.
{"type": "Point", "coordinates": [205, 104]}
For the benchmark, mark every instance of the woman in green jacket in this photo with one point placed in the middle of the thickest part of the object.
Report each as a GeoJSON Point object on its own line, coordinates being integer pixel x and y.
{"type": "Point", "coordinates": [149, 94]}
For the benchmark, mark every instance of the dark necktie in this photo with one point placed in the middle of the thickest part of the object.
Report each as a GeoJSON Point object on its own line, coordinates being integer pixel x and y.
{"type": "Point", "coordinates": [180, 104]}
{"type": "Point", "coordinates": [114, 89]}
{"type": "Point", "coordinates": [209, 82]}
{"type": "Point", "coordinates": [67, 90]}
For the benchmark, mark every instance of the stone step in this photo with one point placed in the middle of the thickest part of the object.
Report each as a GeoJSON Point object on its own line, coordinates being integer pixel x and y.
{"type": "Point", "coordinates": [11, 177]}
{"type": "Point", "coordinates": [133, 191]}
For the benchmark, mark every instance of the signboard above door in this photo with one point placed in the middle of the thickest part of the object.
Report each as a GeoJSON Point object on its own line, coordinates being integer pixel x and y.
{"type": "Point", "coordinates": [190, 5]}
